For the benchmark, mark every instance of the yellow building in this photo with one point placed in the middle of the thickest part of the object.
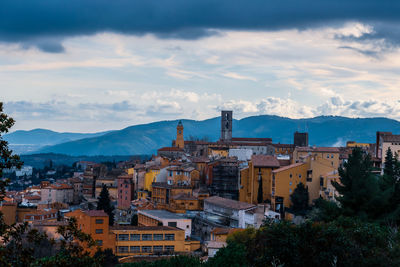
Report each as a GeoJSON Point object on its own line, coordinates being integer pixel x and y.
{"type": "Point", "coordinates": [355, 144]}
{"type": "Point", "coordinates": [322, 161]}
{"type": "Point", "coordinates": [151, 240]}
{"type": "Point", "coordinates": [260, 168]}
{"type": "Point", "coordinates": [150, 177]}
{"type": "Point", "coordinates": [180, 142]}
{"type": "Point", "coordinates": [222, 152]}
{"type": "Point", "coordinates": [284, 181]}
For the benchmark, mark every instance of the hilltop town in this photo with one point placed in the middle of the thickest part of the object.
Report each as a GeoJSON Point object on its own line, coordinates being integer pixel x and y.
{"type": "Point", "coordinates": [192, 195]}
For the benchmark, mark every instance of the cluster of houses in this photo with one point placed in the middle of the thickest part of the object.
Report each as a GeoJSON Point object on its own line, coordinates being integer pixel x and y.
{"type": "Point", "coordinates": [190, 196]}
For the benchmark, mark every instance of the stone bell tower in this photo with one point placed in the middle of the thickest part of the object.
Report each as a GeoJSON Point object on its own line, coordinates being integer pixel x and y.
{"type": "Point", "coordinates": [226, 125]}
{"type": "Point", "coordinates": [180, 142]}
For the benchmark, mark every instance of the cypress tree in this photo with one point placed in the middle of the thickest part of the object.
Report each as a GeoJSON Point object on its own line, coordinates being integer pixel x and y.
{"type": "Point", "coordinates": [104, 203]}
{"type": "Point", "coordinates": [260, 198]}
{"type": "Point", "coordinates": [300, 199]}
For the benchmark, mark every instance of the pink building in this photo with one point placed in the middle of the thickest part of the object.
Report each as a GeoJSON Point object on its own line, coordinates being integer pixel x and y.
{"type": "Point", "coordinates": [125, 191]}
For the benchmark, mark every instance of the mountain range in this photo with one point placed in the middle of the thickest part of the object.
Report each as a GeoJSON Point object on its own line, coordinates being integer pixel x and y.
{"type": "Point", "coordinates": [147, 138]}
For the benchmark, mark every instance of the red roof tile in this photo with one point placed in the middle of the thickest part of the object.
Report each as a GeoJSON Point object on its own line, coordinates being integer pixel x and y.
{"type": "Point", "coordinates": [265, 161]}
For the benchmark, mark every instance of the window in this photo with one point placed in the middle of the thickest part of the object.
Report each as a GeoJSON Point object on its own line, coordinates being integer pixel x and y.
{"type": "Point", "coordinates": [99, 221]}
{"type": "Point", "coordinates": [99, 231]}
{"type": "Point", "coordinates": [169, 248]}
{"type": "Point", "coordinates": [290, 183]}
{"type": "Point", "coordinates": [157, 249]}
{"type": "Point", "coordinates": [126, 186]}
{"type": "Point", "coordinates": [99, 242]}
{"type": "Point", "coordinates": [146, 249]}
{"type": "Point", "coordinates": [146, 237]}
{"type": "Point", "coordinates": [169, 236]}
{"type": "Point", "coordinates": [290, 175]}
{"type": "Point", "coordinates": [172, 224]}
{"type": "Point", "coordinates": [332, 156]}
{"type": "Point", "coordinates": [135, 249]}
{"type": "Point", "coordinates": [290, 190]}
{"type": "Point", "coordinates": [170, 173]}
{"type": "Point", "coordinates": [300, 176]}
{"type": "Point", "coordinates": [135, 237]}
{"type": "Point", "coordinates": [123, 237]}
{"type": "Point", "coordinates": [158, 237]}
{"type": "Point", "coordinates": [123, 249]}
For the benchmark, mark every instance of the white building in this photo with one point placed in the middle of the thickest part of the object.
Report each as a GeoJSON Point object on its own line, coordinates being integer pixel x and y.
{"type": "Point", "coordinates": [61, 193]}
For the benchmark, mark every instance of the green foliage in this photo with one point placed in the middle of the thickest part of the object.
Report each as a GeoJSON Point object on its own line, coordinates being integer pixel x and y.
{"type": "Point", "coordinates": [300, 198]}
{"type": "Point", "coordinates": [325, 211]}
{"type": "Point", "coordinates": [134, 220]}
{"type": "Point", "coordinates": [344, 242]}
{"type": "Point", "coordinates": [177, 261]}
{"type": "Point", "coordinates": [260, 194]}
{"type": "Point", "coordinates": [233, 255]}
{"type": "Point", "coordinates": [104, 203]}
{"type": "Point", "coordinates": [359, 188]}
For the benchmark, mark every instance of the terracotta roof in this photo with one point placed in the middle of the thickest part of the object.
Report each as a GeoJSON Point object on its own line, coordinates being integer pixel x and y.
{"type": "Point", "coordinates": [225, 231]}
{"type": "Point", "coordinates": [248, 139]}
{"type": "Point", "coordinates": [319, 149]}
{"type": "Point", "coordinates": [144, 228]}
{"type": "Point", "coordinates": [283, 145]}
{"type": "Point", "coordinates": [32, 197]}
{"type": "Point", "coordinates": [229, 203]}
{"type": "Point", "coordinates": [265, 161]}
{"type": "Point", "coordinates": [59, 186]}
{"type": "Point", "coordinates": [96, 213]}
{"type": "Point", "coordinates": [170, 149]}
{"type": "Point", "coordinates": [391, 138]}
{"type": "Point", "coordinates": [289, 167]}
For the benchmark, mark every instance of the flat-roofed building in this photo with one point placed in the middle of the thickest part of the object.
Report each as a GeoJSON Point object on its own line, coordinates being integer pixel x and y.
{"type": "Point", "coordinates": [151, 240]}
{"type": "Point", "coordinates": [166, 218]}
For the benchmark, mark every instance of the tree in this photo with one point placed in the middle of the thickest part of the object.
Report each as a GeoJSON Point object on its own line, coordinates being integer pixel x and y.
{"type": "Point", "coordinates": [389, 164]}
{"type": "Point", "coordinates": [134, 220]}
{"type": "Point", "coordinates": [300, 199]}
{"type": "Point", "coordinates": [359, 190]}
{"type": "Point", "coordinates": [260, 197]}
{"type": "Point", "coordinates": [104, 203]}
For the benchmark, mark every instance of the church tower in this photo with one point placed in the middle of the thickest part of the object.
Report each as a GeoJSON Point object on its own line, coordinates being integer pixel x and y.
{"type": "Point", "coordinates": [226, 125]}
{"type": "Point", "coordinates": [180, 142]}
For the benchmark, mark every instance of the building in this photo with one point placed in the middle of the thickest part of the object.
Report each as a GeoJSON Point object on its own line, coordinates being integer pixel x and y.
{"type": "Point", "coordinates": [125, 191]}
{"type": "Point", "coordinates": [166, 218]}
{"type": "Point", "coordinates": [256, 179]}
{"type": "Point", "coordinates": [218, 239]}
{"type": "Point", "coordinates": [229, 212]}
{"type": "Point", "coordinates": [321, 161]}
{"type": "Point", "coordinates": [150, 177]}
{"type": "Point", "coordinates": [95, 223]}
{"type": "Point", "coordinates": [40, 215]}
{"type": "Point", "coordinates": [180, 142]}
{"type": "Point", "coordinates": [284, 181]}
{"type": "Point", "coordinates": [300, 139]}
{"type": "Point", "coordinates": [226, 126]}
{"type": "Point", "coordinates": [61, 193]}
{"type": "Point", "coordinates": [224, 181]}
{"type": "Point", "coordinates": [151, 240]}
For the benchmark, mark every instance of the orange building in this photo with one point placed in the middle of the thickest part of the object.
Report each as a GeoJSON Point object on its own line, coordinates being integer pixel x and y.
{"type": "Point", "coordinates": [95, 223]}
{"type": "Point", "coordinates": [259, 170]}
{"type": "Point", "coordinates": [151, 240]}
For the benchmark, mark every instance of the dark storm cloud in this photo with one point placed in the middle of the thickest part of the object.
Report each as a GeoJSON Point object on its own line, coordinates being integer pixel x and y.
{"type": "Point", "coordinates": [23, 21]}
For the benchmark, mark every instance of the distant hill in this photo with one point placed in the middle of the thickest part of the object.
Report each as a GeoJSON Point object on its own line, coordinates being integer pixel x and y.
{"type": "Point", "coordinates": [147, 138]}
{"type": "Point", "coordinates": [23, 142]}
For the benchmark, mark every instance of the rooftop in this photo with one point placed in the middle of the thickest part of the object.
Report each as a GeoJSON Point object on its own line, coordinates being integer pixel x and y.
{"type": "Point", "coordinates": [144, 228]}
{"type": "Point", "coordinates": [96, 213]}
{"type": "Point", "coordinates": [289, 167]}
{"type": "Point", "coordinates": [229, 203]}
{"type": "Point", "coordinates": [161, 214]}
{"type": "Point", "coordinates": [170, 149]}
{"type": "Point", "coordinates": [319, 149]}
{"type": "Point", "coordinates": [391, 138]}
{"type": "Point", "coordinates": [265, 161]}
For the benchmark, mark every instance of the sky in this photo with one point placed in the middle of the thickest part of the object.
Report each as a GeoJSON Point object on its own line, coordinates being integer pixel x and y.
{"type": "Point", "coordinates": [88, 66]}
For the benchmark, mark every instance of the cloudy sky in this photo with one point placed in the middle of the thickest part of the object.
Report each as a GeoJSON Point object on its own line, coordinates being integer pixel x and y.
{"type": "Point", "coordinates": [86, 66]}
